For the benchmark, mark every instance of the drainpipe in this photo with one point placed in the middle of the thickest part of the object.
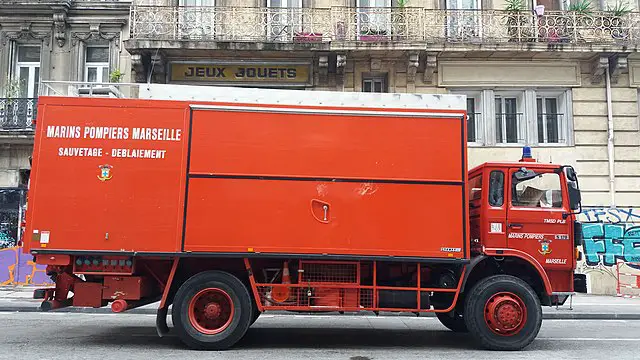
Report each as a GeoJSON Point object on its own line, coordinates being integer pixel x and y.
{"type": "Point", "coordinates": [612, 177]}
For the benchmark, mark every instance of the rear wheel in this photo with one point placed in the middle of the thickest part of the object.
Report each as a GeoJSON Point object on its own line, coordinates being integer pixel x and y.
{"type": "Point", "coordinates": [212, 310]}
{"type": "Point", "coordinates": [453, 321]}
{"type": "Point", "coordinates": [503, 313]}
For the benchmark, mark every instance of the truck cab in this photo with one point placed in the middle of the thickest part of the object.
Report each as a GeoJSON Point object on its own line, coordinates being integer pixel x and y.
{"type": "Point", "coordinates": [525, 211]}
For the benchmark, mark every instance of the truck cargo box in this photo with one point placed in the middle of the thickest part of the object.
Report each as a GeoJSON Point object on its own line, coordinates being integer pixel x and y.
{"type": "Point", "coordinates": [371, 175]}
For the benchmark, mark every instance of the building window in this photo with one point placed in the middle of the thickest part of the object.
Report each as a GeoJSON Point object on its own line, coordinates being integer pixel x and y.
{"type": "Point", "coordinates": [374, 18]}
{"type": "Point", "coordinates": [463, 22]}
{"type": "Point", "coordinates": [508, 118]}
{"type": "Point", "coordinates": [374, 84]}
{"type": "Point", "coordinates": [475, 126]}
{"type": "Point", "coordinates": [550, 120]}
{"type": "Point", "coordinates": [28, 70]}
{"type": "Point", "coordinates": [552, 5]}
{"type": "Point", "coordinates": [474, 118]}
{"type": "Point", "coordinates": [532, 117]}
{"type": "Point", "coordinates": [284, 19]}
{"type": "Point", "coordinates": [197, 19]}
{"type": "Point", "coordinates": [96, 68]}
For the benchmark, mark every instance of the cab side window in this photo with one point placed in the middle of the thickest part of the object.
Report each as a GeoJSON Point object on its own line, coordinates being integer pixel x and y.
{"type": "Point", "coordinates": [496, 188]}
{"type": "Point", "coordinates": [475, 191]}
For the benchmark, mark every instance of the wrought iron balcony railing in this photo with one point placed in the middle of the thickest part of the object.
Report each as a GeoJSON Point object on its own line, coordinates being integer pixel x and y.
{"type": "Point", "coordinates": [344, 24]}
{"type": "Point", "coordinates": [17, 113]}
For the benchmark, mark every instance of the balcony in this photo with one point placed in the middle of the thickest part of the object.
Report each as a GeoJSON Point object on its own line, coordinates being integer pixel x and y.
{"type": "Point", "coordinates": [17, 114]}
{"type": "Point", "coordinates": [342, 26]}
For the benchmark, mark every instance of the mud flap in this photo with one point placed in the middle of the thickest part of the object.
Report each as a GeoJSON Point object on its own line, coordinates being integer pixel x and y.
{"type": "Point", "coordinates": [161, 322]}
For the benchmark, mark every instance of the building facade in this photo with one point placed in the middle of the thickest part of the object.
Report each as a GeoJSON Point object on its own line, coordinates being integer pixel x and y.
{"type": "Point", "coordinates": [534, 73]}
{"type": "Point", "coordinates": [550, 74]}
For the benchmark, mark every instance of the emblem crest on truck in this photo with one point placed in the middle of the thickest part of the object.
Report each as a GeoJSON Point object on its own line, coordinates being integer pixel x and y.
{"type": "Point", "coordinates": [545, 249]}
{"type": "Point", "coordinates": [105, 172]}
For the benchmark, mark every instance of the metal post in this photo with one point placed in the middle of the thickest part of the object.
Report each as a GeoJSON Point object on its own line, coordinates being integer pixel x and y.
{"type": "Point", "coordinates": [618, 290]}
{"type": "Point", "coordinates": [610, 131]}
{"type": "Point", "coordinates": [571, 302]}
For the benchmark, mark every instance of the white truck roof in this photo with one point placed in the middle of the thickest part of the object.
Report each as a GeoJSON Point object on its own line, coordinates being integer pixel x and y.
{"type": "Point", "coordinates": [302, 97]}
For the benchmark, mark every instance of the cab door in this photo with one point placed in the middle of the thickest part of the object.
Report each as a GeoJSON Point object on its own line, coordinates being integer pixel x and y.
{"type": "Point", "coordinates": [535, 221]}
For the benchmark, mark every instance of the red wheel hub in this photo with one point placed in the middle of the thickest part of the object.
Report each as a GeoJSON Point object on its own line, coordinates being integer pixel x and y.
{"type": "Point", "coordinates": [211, 311]}
{"type": "Point", "coordinates": [505, 314]}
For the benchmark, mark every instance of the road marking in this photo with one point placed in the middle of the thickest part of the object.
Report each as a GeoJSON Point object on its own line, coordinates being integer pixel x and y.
{"type": "Point", "coordinates": [583, 320]}
{"type": "Point", "coordinates": [587, 339]}
{"type": "Point", "coordinates": [53, 313]}
{"type": "Point", "coordinates": [349, 317]}
{"type": "Point", "coordinates": [577, 306]}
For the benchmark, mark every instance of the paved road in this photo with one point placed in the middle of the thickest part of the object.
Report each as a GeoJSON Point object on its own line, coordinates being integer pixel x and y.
{"type": "Point", "coordinates": [274, 337]}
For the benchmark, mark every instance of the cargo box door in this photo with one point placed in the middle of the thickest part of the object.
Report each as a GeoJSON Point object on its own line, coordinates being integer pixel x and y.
{"type": "Point", "coordinates": [100, 184]}
{"type": "Point", "coordinates": [317, 183]}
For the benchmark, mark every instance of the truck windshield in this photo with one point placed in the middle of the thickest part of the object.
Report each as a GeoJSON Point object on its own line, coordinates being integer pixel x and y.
{"type": "Point", "coordinates": [542, 191]}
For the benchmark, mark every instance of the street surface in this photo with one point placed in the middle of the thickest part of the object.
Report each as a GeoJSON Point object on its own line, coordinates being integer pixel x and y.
{"type": "Point", "coordinates": [31, 335]}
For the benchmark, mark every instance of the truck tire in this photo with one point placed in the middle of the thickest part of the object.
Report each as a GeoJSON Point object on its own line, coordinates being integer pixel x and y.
{"type": "Point", "coordinates": [212, 311]}
{"type": "Point", "coordinates": [454, 323]}
{"type": "Point", "coordinates": [503, 312]}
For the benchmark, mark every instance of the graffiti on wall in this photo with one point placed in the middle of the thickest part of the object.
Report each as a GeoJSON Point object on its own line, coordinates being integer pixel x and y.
{"type": "Point", "coordinates": [16, 268]}
{"type": "Point", "coordinates": [611, 235]}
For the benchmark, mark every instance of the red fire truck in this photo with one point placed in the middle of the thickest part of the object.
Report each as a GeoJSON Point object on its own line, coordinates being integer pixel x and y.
{"type": "Point", "coordinates": [242, 201]}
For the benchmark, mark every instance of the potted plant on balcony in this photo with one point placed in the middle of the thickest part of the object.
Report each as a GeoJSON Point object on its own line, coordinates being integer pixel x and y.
{"type": "Point", "coordinates": [13, 89]}
{"type": "Point", "coordinates": [613, 20]}
{"type": "Point", "coordinates": [581, 23]}
{"type": "Point", "coordinates": [307, 37]}
{"type": "Point", "coordinates": [10, 104]}
{"type": "Point", "coordinates": [115, 76]}
{"type": "Point", "coordinates": [103, 89]}
{"type": "Point", "coordinates": [400, 20]}
{"type": "Point", "coordinates": [517, 28]}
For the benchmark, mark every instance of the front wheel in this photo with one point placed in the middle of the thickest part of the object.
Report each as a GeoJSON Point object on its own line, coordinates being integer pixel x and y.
{"type": "Point", "coordinates": [212, 311]}
{"type": "Point", "coordinates": [503, 313]}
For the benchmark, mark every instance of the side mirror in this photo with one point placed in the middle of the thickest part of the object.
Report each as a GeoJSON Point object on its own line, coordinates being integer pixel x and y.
{"type": "Point", "coordinates": [523, 174]}
{"type": "Point", "coordinates": [574, 196]}
{"type": "Point", "coordinates": [571, 174]}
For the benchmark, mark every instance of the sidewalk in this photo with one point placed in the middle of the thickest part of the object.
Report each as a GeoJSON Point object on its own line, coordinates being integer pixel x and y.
{"type": "Point", "coordinates": [585, 307]}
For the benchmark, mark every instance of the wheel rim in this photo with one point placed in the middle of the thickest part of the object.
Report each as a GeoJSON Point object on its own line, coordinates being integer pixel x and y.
{"type": "Point", "coordinates": [505, 314]}
{"type": "Point", "coordinates": [211, 311]}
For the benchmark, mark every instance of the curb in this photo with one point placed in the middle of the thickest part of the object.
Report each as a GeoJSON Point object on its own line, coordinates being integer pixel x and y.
{"type": "Point", "coordinates": [545, 316]}
{"type": "Point", "coordinates": [592, 316]}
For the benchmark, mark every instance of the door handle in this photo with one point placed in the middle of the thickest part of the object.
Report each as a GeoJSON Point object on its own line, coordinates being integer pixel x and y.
{"type": "Point", "coordinates": [320, 210]}
{"type": "Point", "coordinates": [515, 226]}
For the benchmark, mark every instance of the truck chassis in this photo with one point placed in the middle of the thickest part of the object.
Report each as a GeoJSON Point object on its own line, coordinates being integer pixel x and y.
{"type": "Point", "coordinates": [215, 300]}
